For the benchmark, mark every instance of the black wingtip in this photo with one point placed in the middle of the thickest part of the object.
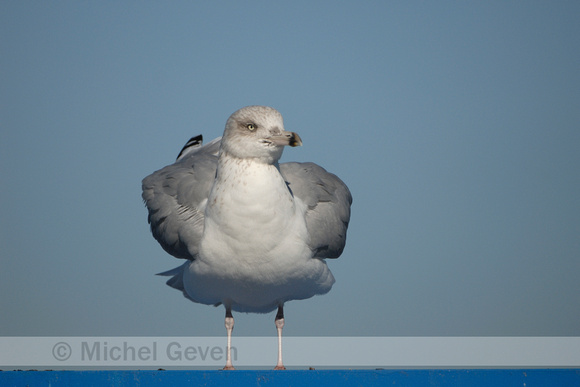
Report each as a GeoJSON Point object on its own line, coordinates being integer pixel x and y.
{"type": "Point", "coordinates": [193, 142]}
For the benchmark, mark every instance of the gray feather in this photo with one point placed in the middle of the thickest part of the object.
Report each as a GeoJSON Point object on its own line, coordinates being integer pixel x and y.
{"type": "Point", "coordinates": [328, 200]}
{"type": "Point", "coordinates": [176, 196]}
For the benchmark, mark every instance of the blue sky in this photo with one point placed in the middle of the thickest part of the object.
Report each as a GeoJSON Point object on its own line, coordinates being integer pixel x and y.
{"type": "Point", "coordinates": [456, 126]}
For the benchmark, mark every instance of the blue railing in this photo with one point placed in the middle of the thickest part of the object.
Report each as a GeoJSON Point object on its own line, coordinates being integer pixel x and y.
{"type": "Point", "coordinates": [408, 377]}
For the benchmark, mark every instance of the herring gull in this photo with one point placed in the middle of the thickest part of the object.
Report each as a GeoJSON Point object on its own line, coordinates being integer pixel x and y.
{"type": "Point", "coordinates": [254, 233]}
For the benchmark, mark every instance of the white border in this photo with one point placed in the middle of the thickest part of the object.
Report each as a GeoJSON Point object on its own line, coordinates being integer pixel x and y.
{"type": "Point", "coordinates": [348, 352]}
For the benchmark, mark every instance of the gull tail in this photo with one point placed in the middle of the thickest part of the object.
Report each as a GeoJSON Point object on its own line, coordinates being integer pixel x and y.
{"type": "Point", "coordinates": [176, 280]}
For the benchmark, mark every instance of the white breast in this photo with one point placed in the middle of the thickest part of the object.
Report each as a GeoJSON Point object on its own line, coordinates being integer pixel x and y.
{"type": "Point", "coordinates": [249, 212]}
{"type": "Point", "coordinates": [254, 252]}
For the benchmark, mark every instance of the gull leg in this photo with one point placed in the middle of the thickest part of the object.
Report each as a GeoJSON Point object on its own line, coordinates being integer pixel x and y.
{"type": "Point", "coordinates": [229, 329]}
{"type": "Point", "coordinates": [279, 320]}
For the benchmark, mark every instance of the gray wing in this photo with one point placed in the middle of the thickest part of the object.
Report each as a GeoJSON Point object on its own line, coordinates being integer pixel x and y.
{"type": "Point", "coordinates": [328, 200]}
{"type": "Point", "coordinates": [176, 197]}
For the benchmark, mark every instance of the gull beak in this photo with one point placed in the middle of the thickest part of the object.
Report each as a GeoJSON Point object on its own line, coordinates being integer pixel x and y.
{"type": "Point", "coordinates": [286, 138]}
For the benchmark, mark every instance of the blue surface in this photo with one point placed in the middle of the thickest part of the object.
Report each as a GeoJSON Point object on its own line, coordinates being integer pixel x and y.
{"type": "Point", "coordinates": [439, 377]}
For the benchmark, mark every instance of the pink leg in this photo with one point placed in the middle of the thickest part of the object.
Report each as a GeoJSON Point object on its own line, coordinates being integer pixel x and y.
{"type": "Point", "coordinates": [279, 320]}
{"type": "Point", "coordinates": [229, 329]}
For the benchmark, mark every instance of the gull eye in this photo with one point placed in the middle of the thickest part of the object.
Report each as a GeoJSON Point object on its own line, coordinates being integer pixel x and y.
{"type": "Point", "coordinates": [251, 127]}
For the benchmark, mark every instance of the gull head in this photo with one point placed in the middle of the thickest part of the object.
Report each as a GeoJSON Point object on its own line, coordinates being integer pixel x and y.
{"type": "Point", "coordinates": [257, 132]}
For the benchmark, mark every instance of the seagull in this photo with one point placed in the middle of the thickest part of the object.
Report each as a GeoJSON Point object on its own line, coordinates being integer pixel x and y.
{"type": "Point", "coordinates": [254, 233]}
